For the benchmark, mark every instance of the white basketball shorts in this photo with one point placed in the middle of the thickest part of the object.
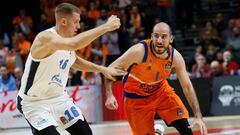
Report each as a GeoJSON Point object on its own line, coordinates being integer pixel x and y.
{"type": "Point", "coordinates": [60, 112]}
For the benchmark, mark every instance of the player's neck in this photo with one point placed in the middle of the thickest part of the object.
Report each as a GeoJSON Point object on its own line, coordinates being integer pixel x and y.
{"type": "Point", "coordinates": [163, 56]}
{"type": "Point", "coordinates": [61, 31]}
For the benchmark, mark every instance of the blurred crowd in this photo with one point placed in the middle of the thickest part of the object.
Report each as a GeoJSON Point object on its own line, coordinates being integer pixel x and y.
{"type": "Point", "coordinates": [216, 48]}
{"type": "Point", "coordinates": [217, 51]}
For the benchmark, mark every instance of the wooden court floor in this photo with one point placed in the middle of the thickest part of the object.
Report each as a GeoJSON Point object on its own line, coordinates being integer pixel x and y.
{"type": "Point", "coordinates": [223, 125]}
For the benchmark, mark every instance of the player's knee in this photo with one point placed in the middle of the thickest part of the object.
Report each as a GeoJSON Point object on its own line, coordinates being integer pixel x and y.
{"type": "Point", "coordinates": [51, 130]}
{"type": "Point", "coordinates": [182, 126]}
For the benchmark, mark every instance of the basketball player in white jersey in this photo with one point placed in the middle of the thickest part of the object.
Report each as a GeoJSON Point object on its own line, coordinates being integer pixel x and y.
{"type": "Point", "coordinates": [42, 98]}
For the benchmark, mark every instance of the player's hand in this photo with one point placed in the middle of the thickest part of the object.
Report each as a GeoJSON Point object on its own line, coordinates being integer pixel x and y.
{"type": "Point", "coordinates": [110, 72]}
{"type": "Point", "coordinates": [111, 102]}
{"type": "Point", "coordinates": [112, 23]}
{"type": "Point", "coordinates": [201, 124]}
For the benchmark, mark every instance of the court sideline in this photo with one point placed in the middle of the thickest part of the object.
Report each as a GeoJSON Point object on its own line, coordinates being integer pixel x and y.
{"type": "Point", "coordinates": [222, 125]}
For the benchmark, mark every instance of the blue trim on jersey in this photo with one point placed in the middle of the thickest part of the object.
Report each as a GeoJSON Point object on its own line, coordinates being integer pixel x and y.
{"type": "Point", "coordinates": [133, 95]}
{"type": "Point", "coordinates": [168, 53]}
{"type": "Point", "coordinates": [172, 53]}
{"type": "Point", "coordinates": [146, 50]}
{"type": "Point", "coordinates": [126, 76]}
{"type": "Point", "coordinates": [31, 75]}
{"type": "Point", "coordinates": [151, 47]}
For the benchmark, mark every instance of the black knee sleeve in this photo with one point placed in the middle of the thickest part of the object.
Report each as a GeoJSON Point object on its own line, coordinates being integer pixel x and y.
{"type": "Point", "coordinates": [51, 130]}
{"type": "Point", "coordinates": [80, 128]}
{"type": "Point", "coordinates": [182, 127]}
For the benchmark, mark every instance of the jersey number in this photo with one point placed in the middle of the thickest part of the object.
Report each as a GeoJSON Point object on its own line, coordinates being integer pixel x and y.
{"type": "Point", "coordinates": [63, 64]}
{"type": "Point", "coordinates": [71, 113]}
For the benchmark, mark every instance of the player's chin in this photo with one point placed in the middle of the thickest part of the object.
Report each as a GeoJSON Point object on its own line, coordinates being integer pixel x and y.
{"type": "Point", "coordinates": [160, 50]}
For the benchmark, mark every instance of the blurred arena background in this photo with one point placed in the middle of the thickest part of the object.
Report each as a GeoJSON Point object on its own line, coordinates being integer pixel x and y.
{"type": "Point", "coordinates": [207, 34]}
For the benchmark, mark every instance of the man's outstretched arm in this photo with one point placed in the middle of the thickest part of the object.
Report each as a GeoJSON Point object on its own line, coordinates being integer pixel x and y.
{"type": "Point", "coordinates": [188, 90]}
{"type": "Point", "coordinates": [108, 72]}
{"type": "Point", "coordinates": [56, 42]}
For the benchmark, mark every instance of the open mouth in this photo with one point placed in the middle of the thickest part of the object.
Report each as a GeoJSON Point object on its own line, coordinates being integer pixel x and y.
{"type": "Point", "coordinates": [159, 47]}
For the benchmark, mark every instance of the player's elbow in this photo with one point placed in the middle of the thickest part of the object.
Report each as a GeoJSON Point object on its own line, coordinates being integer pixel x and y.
{"type": "Point", "coordinates": [81, 41]}
{"type": "Point", "coordinates": [71, 44]}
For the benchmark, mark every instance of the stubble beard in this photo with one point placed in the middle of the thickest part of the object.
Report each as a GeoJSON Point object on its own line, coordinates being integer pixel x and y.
{"type": "Point", "coordinates": [158, 51]}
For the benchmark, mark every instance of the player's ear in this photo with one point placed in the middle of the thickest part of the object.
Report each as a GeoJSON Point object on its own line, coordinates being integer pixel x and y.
{"type": "Point", "coordinates": [152, 36]}
{"type": "Point", "coordinates": [171, 39]}
{"type": "Point", "coordinates": [64, 21]}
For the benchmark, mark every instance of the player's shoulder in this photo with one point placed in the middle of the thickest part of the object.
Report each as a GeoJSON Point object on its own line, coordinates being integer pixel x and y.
{"type": "Point", "coordinates": [177, 54]}
{"type": "Point", "coordinates": [44, 34]}
{"type": "Point", "coordinates": [138, 47]}
{"type": "Point", "coordinates": [42, 38]}
{"type": "Point", "coordinates": [136, 50]}
{"type": "Point", "coordinates": [177, 57]}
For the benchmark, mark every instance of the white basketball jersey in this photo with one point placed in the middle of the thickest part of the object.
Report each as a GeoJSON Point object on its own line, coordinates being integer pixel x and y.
{"type": "Point", "coordinates": [46, 78]}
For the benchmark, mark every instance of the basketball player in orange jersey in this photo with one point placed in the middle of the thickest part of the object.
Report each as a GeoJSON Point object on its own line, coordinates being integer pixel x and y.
{"type": "Point", "coordinates": [146, 90]}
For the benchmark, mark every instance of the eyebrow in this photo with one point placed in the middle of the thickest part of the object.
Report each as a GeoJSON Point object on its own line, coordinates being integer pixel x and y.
{"type": "Point", "coordinates": [160, 34]}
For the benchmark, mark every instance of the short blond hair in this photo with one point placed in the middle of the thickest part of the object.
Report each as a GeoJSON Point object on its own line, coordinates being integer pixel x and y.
{"type": "Point", "coordinates": [65, 9]}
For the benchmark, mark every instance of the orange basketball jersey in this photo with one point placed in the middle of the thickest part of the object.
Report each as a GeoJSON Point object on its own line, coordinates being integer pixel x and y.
{"type": "Point", "coordinates": [150, 76]}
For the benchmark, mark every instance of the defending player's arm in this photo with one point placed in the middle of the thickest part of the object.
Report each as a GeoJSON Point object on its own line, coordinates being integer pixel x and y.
{"type": "Point", "coordinates": [186, 84]}
{"type": "Point", "coordinates": [188, 90]}
{"type": "Point", "coordinates": [133, 55]}
{"type": "Point", "coordinates": [55, 42]}
{"type": "Point", "coordinates": [84, 65]}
